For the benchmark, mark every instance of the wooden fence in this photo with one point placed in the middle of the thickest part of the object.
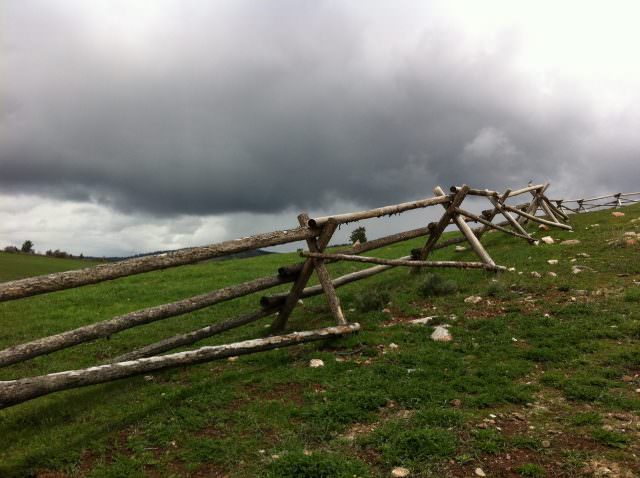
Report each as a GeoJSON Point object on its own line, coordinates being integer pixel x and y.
{"type": "Point", "coordinates": [605, 202]}
{"type": "Point", "coordinates": [317, 233]}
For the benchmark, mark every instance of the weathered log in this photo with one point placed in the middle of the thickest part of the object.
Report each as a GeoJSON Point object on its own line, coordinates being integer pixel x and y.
{"type": "Point", "coordinates": [294, 269]}
{"type": "Point", "coordinates": [13, 392]}
{"type": "Point", "coordinates": [511, 220]}
{"type": "Point", "coordinates": [490, 225]}
{"type": "Point", "coordinates": [467, 232]}
{"type": "Point", "coordinates": [194, 336]}
{"type": "Point", "coordinates": [441, 225]}
{"type": "Point", "coordinates": [276, 300]}
{"type": "Point", "coordinates": [92, 275]}
{"type": "Point", "coordinates": [529, 188]}
{"type": "Point", "coordinates": [536, 219]}
{"type": "Point", "coordinates": [378, 212]}
{"type": "Point", "coordinates": [105, 328]}
{"type": "Point", "coordinates": [404, 262]}
{"type": "Point", "coordinates": [301, 281]}
{"type": "Point", "coordinates": [476, 192]}
{"type": "Point", "coordinates": [321, 270]}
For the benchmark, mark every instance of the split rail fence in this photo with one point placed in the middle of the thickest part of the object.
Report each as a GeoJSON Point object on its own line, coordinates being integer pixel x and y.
{"type": "Point", "coordinates": [317, 232]}
{"type": "Point", "coordinates": [589, 204]}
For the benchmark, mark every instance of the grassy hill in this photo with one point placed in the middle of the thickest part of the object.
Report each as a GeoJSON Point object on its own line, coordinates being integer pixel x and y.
{"type": "Point", "coordinates": [18, 266]}
{"type": "Point", "coordinates": [540, 379]}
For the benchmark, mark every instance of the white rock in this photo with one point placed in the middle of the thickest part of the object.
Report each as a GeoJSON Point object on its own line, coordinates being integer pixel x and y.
{"type": "Point", "coordinates": [630, 234]}
{"type": "Point", "coordinates": [548, 240]}
{"type": "Point", "coordinates": [552, 262]}
{"type": "Point", "coordinates": [511, 269]}
{"type": "Point", "coordinates": [479, 472]}
{"type": "Point", "coordinates": [552, 274]}
{"type": "Point", "coordinates": [473, 299]}
{"type": "Point", "coordinates": [570, 242]}
{"type": "Point", "coordinates": [583, 254]}
{"type": "Point", "coordinates": [536, 275]}
{"type": "Point", "coordinates": [316, 363]}
{"type": "Point", "coordinates": [576, 269]}
{"type": "Point", "coordinates": [460, 248]}
{"type": "Point", "coordinates": [400, 472]}
{"type": "Point", "coordinates": [423, 320]}
{"type": "Point", "coordinates": [393, 346]}
{"type": "Point", "coordinates": [441, 334]}
{"type": "Point", "coordinates": [300, 302]}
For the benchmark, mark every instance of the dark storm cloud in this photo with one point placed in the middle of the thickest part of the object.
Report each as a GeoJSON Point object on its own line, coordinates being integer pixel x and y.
{"type": "Point", "coordinates": [258, 107]}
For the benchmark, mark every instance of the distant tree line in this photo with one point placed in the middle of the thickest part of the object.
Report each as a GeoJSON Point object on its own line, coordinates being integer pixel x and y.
{"type": "Point", "coordinates": [27, 248]}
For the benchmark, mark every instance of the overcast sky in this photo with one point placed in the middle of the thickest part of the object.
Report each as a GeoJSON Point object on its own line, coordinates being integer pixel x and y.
{"type": "Point", "coordinates": [132, 126]}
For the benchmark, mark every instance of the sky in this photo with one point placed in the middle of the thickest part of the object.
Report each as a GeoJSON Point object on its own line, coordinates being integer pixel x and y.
{"type": "Point", "coordinates": [130, 127]}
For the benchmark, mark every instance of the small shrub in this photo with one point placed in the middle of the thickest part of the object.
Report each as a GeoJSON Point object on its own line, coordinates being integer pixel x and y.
{"type": "Point", "coordinates": [588, 418]}
{"type": "Point", "coordinates": [421, 445]}
{"type": "Point", "coordinates": [496, 289]}
{"type": "Point", "coordinates": [435, 285]}
{"type": "Point", "coordinates": [531, 470]}
{"type": "Point", "coordinates": [372, 299]}
{"type": "Point", "coordinates": [488, 441]}
{"type": "Point", "coordinates": [610, 438]}
{"type": "Point", "coordinates": [315, 465]}
{"type": "Point", "coordinates": [632, 295]}
{"type": "Point", "coordinates": [439, 417]}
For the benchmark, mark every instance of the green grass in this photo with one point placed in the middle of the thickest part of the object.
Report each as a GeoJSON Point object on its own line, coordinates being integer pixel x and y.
{"type": "Point", "coordinates": [527, 344]}
{"type": "Point", "coordinates": [17, 266]}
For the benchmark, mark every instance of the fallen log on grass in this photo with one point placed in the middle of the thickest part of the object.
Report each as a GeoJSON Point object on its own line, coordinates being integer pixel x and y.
{"type": "Point", "coordinates": [13, 392]}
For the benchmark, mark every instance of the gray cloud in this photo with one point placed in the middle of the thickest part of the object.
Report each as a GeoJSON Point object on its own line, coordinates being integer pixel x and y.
{"type": "Point", "coordinates": [253, 107]}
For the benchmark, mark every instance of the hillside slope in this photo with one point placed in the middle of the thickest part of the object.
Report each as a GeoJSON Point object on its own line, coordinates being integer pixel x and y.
{"type": "Point", "coordinates": [541, 377]}
{"type": "Point", "coordinates": [18, 266]}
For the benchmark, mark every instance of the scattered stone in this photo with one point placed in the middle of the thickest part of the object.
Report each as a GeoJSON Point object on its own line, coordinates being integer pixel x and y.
{"type": "Point", "coordinates": [386, 310]}
{"type": "Point", "coordinates": [552, 274]}
{"type": "Point", "coordinates": [548, 240]}
{"type": "Point", "coordinates": [546, 444]}
{"type": "Point", "coordinates": [536, 275]}
{"type": "Point", "coordinates": [630, 234]}
{"type": "Point", "coordinates": [552, 262]}
{"type": "Point", "coordinates": [400, 472]}
{"type": "Point", "coordinates": [460, 248]}
{"type": "Point", "coordinates": [456, 403]}
{"type": "Point", "coordinates": [617, 214]}
{"type": "Point", "coordinates": [149, 378]}
{"type": "Point", "coordinates": [478, 471]}
{"type": "Point", "coordinates": [473, 299]}
{"type": "Point", "coordinates": [625, 378]}
{"type": "Point", "coordinates": [519, 416]}
{"type": "Point", "coordinates": [393, 346]}
{"type": "Point", "coordinates": [576, 270]}
{"type": "Point", "coordinates": [233, 359]}
{"type": "Point", "coordinates": [544, 227]}
{"type": "Point", "coordinates": [511, 269]}
{"type": "Point", "coordinates": [582, 254]}
{"type": "Point", "coordinates": [441, 334]}
{"type": "Point", "coordinates": [300, 302]}
{"type": "Point", "coordinates": [316, 363]}
{"type": "Point", "coordinates": [275, 457]}
{"type": "Point", "coordinates": [423, 320]}
{"type": "Point", "coordinates": [570, 242]}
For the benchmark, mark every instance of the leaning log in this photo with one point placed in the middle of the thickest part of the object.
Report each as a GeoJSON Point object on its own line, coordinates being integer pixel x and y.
{"type": "Point", "coordinates": [536, 218]}
{"type": "Point", "coordinates": [404, 262]}
{"type": "Point", "coordinates": [92, 275]}
{"type": "Point", "coordinates": [22, 352]}
{"type": "Point", "coordinates": [194, 336]}
{"type": "Point", "coordinates": [13, 392]}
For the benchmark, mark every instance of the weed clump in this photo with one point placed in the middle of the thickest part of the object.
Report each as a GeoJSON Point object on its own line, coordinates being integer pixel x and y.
{"type": "Point", "coordinates": [610, 438]}
{"type": "Point", "coordinates": [315, 465]}
{"type": "Point", "coordinates": [372, 299]}
{"type": "Point", "coordinates": [531, 470]}
{"type": "Point", "coordinates": [435, 285]}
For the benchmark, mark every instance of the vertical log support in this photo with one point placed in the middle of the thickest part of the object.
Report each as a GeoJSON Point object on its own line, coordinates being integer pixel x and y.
{"type": "Point", "coordinates": [438, 228]}
{"type": "Point", "coordinates": [466, 230]}
{"type": "Point", "coordinates": [321, 269]}
{"type": "Point", "coordinates": [618, 202]}
{"type": "Point", "coordinates": [303, 277]}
